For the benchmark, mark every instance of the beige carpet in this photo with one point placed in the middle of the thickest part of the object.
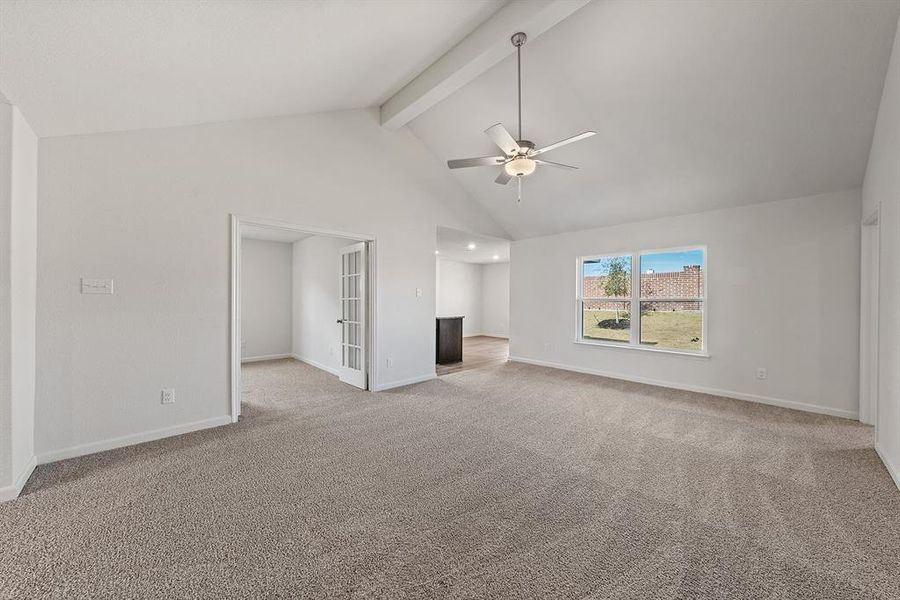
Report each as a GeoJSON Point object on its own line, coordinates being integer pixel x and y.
{"type": "Point", "coordinates": [506, 482]}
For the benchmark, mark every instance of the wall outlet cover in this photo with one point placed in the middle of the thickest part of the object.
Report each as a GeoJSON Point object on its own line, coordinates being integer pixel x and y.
{"type": "Point", "coordinates": [168, 396]}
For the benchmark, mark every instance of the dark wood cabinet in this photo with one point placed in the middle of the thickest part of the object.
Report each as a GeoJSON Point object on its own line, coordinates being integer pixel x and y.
{"type": "Point", "coordinates": [449, 340]}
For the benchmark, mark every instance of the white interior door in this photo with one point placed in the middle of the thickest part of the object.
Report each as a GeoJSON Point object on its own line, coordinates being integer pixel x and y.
{"type": "Point", "coordinates": [353, 267]}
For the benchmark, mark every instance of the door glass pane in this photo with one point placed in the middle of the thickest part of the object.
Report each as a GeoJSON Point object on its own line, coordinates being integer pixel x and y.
{"type": "Point", "coordinates": [674, 274]}
{"type": "Point", "coordinates": [676, 325]}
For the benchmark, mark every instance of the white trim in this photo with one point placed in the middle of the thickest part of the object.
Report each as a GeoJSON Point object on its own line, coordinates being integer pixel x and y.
{"type": "Point", "coordinates": [131, 439]}
{"type": "Point", "coordinates": [403, 382]}
{"type": "Point", "coordinates": [813, 408]}
{"type": "Point", "coordinates": [11, 492]}
{"type": "Point", "coordinates": [333, 370]}
{"type": "Point", "coordinates": [235, 324]}
{"type": "Point", "coordinates": [891, 467]}
{"type": "Point", "coordinates": [870, 255]}
{"type": "Point", "coordinates": [251, 359]}
{"type": "Point", "coordinates": [627, 346]}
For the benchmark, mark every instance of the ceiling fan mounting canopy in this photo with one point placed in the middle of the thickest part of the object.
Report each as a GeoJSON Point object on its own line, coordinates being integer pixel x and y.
{"type": "Point", "coordinates": [518, 159]}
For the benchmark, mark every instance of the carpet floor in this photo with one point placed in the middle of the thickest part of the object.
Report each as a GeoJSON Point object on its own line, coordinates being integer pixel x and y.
{"type": "Point", "coordinates": [511, 481]}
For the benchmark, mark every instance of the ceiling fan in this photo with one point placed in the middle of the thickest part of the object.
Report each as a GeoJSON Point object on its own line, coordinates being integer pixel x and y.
{"type": "Point", "coordinates": [518, 159]}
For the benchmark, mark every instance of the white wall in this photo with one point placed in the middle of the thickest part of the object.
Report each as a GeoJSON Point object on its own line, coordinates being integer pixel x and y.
{"type": "Point", "coordinates": [783, 294]}
{"type": "Point", "coordinates": [495, 299]}
{"type": "Point", "coordinates": [18, 214]}
{"type": "Point", "coordinates": [459, 293]}
{"type": "Point", "coordinates": [151, 209]}
{"type": "Point", "coordinates": [317, 336]}
{"type": "Point", "coordinates": [882, 186]}
{"type": "Point", "coordinates": [266, 290]}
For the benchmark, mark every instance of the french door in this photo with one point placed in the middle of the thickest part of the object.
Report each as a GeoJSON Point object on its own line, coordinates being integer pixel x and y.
{"type": "Point", "coordinates": [353, 267]}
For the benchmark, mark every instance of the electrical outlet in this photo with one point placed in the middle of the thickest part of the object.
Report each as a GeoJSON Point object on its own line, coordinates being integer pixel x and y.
{"type": "Point", "coordinates": [168, 396]}
{"type": "Point", "coordinates": [390, 361]}
{"type": "Point", "coordinates": [761, 373]}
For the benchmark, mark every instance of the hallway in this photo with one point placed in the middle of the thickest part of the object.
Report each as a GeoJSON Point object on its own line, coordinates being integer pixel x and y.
{"type": "Point", "coordinates": [478, 351]}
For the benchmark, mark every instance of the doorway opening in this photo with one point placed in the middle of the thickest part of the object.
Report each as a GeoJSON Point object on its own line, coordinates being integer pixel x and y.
{"type": "Point", "coordinates": [868, 329]}
{"type": "Point", "coordinates": [302, 310]}
{"type": "Point", "coordinates": [472, 301]}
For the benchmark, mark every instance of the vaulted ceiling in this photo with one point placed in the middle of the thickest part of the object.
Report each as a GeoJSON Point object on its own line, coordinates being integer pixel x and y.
{"type": "Point", "coordinates": [698, 105]}
{"type": "Point", "coordinates": [82, 67]}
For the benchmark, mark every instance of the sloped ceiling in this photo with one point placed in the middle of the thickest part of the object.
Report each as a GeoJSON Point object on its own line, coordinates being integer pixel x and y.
{"type": "Point", "coordinates": [84, 66]}
{"type": "Point", "coordinates": [697, 106]}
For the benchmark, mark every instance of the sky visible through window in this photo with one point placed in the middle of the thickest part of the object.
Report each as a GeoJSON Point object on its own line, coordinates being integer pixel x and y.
{"type": "Point", "coordinates": [660, 262]}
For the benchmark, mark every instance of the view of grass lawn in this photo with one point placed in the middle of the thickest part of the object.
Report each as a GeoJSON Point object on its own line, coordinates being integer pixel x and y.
{"type": "Point", "coordinates": [680, 329]}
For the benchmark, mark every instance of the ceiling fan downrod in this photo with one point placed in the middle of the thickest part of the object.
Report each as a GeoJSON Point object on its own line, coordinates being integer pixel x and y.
{"type": "Point", "coordinates": [518, 40]}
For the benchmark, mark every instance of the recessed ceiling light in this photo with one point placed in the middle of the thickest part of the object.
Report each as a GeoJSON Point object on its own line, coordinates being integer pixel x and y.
{"type": "Point", "coordinates": [496, 257]}
{"type": "Point", "coordinates": [437, 251]}
{"type": "Point", "coordinates": [471, 246]}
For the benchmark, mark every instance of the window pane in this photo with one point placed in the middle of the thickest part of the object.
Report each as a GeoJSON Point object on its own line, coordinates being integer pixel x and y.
{"type": "Point", "coordinates": [677, 325]}
{"type": "Point", "coordinates": [606, 320]}
{"type": "Point", "coordinates": [677, 274]}
{"type": "Point", "coordinates": [607, 277]}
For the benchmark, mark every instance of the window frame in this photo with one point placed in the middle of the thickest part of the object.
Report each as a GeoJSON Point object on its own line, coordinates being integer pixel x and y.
{"type": "Point", "coordinates": [634, 341]}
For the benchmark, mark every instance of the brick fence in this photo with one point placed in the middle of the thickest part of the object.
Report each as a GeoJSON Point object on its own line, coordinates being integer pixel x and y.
{"type": "Point", "coordinates": [687, 283]}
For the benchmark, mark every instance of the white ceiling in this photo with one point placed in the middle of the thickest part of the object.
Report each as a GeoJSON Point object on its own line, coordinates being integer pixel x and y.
{"type": "Point", "coordinates": [697, 105]}
{"type": "Point", "coordinates": [272, 234]}
{"type": "Point", "coordinates": [452, 244]}
{"type": "Point", "coordinates": [80, 66]}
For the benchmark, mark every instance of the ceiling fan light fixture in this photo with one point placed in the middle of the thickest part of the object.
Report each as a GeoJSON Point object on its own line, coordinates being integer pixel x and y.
{"type": "Point", "coordinates": [520, 167]}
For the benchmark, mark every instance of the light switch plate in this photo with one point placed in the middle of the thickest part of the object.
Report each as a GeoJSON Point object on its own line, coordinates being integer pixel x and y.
{"type": "Point", "coordinates": [96, 286]}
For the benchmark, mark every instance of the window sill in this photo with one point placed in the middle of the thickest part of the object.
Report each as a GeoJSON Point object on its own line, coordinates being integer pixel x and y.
{"type": "Point", "coordinates": [624, 346]}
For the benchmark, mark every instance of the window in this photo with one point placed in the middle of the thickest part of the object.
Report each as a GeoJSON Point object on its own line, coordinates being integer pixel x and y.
{"type": "Point", "coordinates": [660, 306]}
{"type": "Point", "coordinates": [606, 298]}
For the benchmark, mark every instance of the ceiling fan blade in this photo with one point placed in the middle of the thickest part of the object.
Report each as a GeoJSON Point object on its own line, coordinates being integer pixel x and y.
{"type": "Point", "coordinates": [483, 161]}
{"type": "Point", "coordinates": [500, 136]}
{"type": "Point", "coordinates": [556, 145]}
{"type": "Point", "coordinates": [503, 178]}
{"type": "Point", "coordinates": [555, 164]}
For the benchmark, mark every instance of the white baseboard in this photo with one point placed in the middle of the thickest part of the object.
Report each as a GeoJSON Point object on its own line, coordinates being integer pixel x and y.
{"type": "Point", "coordinates": [334, 371]}
{"type": "Point", "coordinates": [813, 408]}
{"type": "Point", "coordinates": [252, 359]}
{"type": "Point", "coordinates": [132, 439]}
{"type": "Point", "coordinates": [891, 467]}
{"type": "Point", "coordinates": [11, 492]}
{"type": "Point", "coordinates": [395, 384]}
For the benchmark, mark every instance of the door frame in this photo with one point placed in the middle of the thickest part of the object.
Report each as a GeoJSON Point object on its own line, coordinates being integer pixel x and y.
{"type": "Point", "coordinates": [234, 342]}
{"type": "Point", "coordinates": [870, 254]}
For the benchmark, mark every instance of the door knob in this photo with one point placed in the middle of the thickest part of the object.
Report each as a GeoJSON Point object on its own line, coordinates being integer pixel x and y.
{"type": "Point", "coordinates": [340, 320]}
